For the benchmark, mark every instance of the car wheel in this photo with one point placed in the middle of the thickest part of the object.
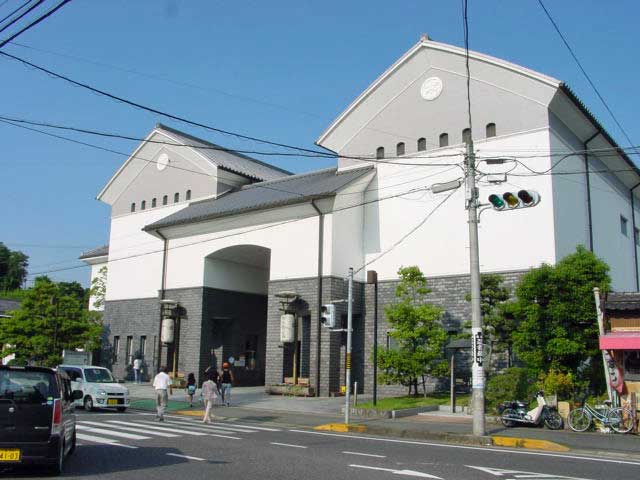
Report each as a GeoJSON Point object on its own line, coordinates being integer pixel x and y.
{"type": "Point", "coordinates": [88, 403]}
{"type": "Point", "coordinates": [56, 468]}
{"type": "Point", "coordinates": [122, 409]}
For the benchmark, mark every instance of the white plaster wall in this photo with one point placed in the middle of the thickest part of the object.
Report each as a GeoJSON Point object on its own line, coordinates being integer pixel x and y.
{"type": "Point", "coordinates": [135, 257]}
{"type": "Point", "coordinates": [228, 275]}
{"type": "Point", "coordinates": [511, 240]}
{"type": "Point", "coordinates": [95, 272]}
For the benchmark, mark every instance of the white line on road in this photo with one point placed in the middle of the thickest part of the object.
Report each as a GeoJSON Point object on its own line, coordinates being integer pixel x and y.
{"type": "Point", "coordinates": [186, 456]}
{"type": "Point", "coordinates": [365, 454]}
{"type": "Point", "coordinates": [287, 445]}
{"type": "Point", "coordinates": [104, 431]}
{"type": "Point", "coordinates": [500, 472]}
{"type": "Point", "coordinates": [104, 441]}
{"type": "Point", "coordinates": [132, 429]}
{"type": "Point", "coordinates": [466, 447]}
{"type": "Point", "coordinates": [214, 424]}
{"type": "Point", "coordinates": [408, 473]}
{"type": "Point", "coordinates": [160, 429]}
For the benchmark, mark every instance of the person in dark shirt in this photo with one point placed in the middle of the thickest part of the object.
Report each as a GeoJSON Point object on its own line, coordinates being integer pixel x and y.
{"type": "Point", "coordinates": [227, 381]}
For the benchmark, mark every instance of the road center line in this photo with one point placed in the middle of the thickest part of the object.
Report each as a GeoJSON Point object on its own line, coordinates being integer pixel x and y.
{"type": "Point", "coordinates": [466, 447]}
{"type": "Point", "coordinates": [287, 445]}
{"type": "Point", "coordinates": [365, 454]}
{"type": "Point", "coordinates": [186, 456]}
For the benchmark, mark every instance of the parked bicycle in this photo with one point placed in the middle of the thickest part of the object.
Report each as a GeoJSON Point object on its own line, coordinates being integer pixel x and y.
{"type": "Point", "coordinates": [620, 419]}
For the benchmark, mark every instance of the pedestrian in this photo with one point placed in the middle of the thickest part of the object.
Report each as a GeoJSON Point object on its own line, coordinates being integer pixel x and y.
{"type": "Point", "coordinates": [162, 383]}
{"type": "Point", "coordinates": [137, 369]}
{"type": "Point", "coordinates": [227, 381]}
{"type": "Point", "coordinates": [191, 388]}
{"type": "Point", "coordinates": [209, 395]}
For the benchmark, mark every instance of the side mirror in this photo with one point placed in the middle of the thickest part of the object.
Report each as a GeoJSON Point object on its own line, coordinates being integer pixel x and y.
{"type": "Point", "coordinates": [76, 395]}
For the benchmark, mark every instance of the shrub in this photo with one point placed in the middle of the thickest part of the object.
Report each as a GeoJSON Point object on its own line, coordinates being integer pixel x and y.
{"type": "Point", "coordinates": [555, 382]}
{"type": "Point", "coordinates": [512, 384]}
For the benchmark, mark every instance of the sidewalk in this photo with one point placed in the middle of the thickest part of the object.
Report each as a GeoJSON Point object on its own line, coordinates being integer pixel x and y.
{"type": "Point", "coordinates": [252, 404]}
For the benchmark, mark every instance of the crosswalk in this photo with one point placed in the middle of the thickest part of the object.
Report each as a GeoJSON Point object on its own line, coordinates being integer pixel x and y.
{"type": "Point", "coordinates": [130, 433]}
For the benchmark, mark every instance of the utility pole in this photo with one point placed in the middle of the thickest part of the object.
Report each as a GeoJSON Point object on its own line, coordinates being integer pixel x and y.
{"type": "Point", "coordinates": [347, 403]}
{"type": "Point", "coordinates": [477, 371]}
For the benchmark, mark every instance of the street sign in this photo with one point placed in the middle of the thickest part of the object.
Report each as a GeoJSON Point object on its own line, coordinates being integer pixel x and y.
{"type": "Point", "coordinates": [478, 347]}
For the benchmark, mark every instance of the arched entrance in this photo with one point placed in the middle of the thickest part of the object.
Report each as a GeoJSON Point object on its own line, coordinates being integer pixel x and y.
{"type": "Point", "coordinates": [234, 312]}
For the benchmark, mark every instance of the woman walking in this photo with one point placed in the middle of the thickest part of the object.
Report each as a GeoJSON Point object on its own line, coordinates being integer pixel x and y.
{"type": "Point", "coordinates": [227, 382]}
{"type": "Point", "coordinates": [209, 395]}
{"type": "Point", "coordinates": [191, 388]}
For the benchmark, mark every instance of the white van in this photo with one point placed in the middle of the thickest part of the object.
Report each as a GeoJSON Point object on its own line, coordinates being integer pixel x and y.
{"type": "Point", "coordinates": [99, 388]}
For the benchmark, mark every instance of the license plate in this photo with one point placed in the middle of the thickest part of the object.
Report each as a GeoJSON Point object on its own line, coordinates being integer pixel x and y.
{"type": "Point", "coordinates": [112, 401]}
{"type": "Point", "coordinates": [10, 455]}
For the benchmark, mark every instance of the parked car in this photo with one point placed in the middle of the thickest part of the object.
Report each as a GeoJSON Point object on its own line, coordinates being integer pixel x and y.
{"type": "Point", "coordinates": [99, 388]}
{"type": "Point", "coordinates": [37, 422]}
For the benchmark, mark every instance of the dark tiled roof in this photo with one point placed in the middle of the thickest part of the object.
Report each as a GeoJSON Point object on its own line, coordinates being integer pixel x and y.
{"type": "Point", "coordinates": [96, 252]}
{"type": "Point", "coordinates": [258, 196]}
{"type": "Point", "coordinates": [8, 305]}
{"type": "Point", "coordinates": [622, 301]}
{"type": "Point", "coordinates": [228, 159]}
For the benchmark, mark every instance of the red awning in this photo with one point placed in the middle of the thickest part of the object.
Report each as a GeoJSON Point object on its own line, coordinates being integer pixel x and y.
{"type": "Point", "coordinates": [620, 341]}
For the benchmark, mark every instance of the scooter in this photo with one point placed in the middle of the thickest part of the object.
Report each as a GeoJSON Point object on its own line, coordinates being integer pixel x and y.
{"type": "Point", "coordinates": [515, 413]}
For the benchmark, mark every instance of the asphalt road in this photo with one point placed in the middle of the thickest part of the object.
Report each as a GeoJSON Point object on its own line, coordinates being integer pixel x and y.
{"type": "Point", "coordinates": [135, 446]}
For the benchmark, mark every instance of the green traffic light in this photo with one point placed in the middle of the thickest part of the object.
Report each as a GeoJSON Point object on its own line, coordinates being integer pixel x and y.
{"type": "Point", "coordinates": [496, 201]}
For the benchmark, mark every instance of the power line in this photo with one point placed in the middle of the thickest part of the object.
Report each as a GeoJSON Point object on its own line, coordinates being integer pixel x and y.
{"type": "Point", "coordinates": [35, 22]}
{"type": "Point", "coordinates": [584, 72]}
{"type": "Point", "coordinates": [22, 15]}
{"type": "Point", "coordinates": [14, 11]}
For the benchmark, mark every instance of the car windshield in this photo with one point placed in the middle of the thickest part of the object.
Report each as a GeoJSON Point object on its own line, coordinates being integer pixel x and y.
{"type": "Point", "coordinates": [98, 375]}
{"type": "Point", "coordinates": [19, 386]}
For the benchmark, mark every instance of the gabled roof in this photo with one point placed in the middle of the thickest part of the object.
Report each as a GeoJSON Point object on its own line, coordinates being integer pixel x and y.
{"type": "Point", "coordinates": [286, 191]}
{"type": "Point", "coordinates": [96, 252]}
{"type": "Point", "coordinates": [227, 159]}
{"type": "Point", "coordinates": [616, 301]}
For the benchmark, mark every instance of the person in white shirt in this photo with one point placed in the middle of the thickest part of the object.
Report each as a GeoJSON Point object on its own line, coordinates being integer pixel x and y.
{"type": "Point", "coordinates": [162, 383]}
{"type": "Point", "coordinates": [137, 369]}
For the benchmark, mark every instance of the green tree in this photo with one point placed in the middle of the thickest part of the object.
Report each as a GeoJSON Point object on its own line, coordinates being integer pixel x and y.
{"type": "Point", "coordinates": [47, 322]}
{"type": "Point", "coordinates": [98, 288]}
{"type": "Point", "coordinates": [417, 332]}
{"type": "Point", "coordinates": [74, 289]}
{"type": "Point", "coordinates": [554, 306]}
{"type": "Point", "coordinates": [13, 268]}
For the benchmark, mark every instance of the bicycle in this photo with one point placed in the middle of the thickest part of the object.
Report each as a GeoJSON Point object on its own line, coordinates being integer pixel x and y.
{"type": "Point", "coordinates": [620, 419]}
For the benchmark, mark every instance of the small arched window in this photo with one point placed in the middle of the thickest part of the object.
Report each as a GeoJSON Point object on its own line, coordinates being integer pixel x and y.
{"type": "Point", "coordinates": [400, 149]}
{"type": "Point", "coordinates": [133, 207]}
{"type": "Point", "coordinates": [422, 144]}
{"type": "Point", "coordinates": [444, 139]}
{"type": "Point", "coordinates": [143, 205]}
{"type": "Point", "coordinates": [491, 130]}
{"type": "Point", "coordinates": [380, 153]}
{"type": "Point", "coordinates": [188, 196]}
{"type": "Point", "coordinates": [153, 203]}
{"type": "Point", "coordinates": [176, 197]}
{"type": "Point", "coordinates": [165, 200]}
{"type": "Point", "coordinates": [466, 135]}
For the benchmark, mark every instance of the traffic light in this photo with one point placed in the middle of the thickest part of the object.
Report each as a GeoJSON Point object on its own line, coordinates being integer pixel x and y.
{"type": "Point", "coordinates": [511, 201]}
{"type": "Point", "coordinates": [328, 315]}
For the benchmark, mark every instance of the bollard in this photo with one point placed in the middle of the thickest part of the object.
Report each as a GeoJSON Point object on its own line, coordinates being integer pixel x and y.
{"type": "Point", "coordinates": [355, 394]}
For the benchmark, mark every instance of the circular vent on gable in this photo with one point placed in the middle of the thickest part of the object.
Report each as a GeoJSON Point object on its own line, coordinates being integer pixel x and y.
{"type": "Point", "coordinates": [162, 162]}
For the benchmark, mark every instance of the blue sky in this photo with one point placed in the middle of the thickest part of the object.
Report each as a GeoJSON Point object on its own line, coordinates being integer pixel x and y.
{"type": "Point", "coordinates": [277, 70]}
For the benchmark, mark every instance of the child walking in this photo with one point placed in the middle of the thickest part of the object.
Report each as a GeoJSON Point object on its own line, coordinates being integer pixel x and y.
{"type": "Point", "coordinates": [191, 388]}
{"type": "Point", "coordinates": [209, 394]}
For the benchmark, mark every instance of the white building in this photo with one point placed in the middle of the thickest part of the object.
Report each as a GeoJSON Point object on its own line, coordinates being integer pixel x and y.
{"type": "Point", "coordinates": [222, 233]}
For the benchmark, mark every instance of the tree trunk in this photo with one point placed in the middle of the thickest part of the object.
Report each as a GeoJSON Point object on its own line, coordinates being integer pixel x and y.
{"type": "Point", "coordinates": [424, 387]}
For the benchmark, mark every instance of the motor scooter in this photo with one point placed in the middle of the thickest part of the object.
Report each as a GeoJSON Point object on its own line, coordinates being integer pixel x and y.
{"type": "Point", "coordinates": [515, 413]}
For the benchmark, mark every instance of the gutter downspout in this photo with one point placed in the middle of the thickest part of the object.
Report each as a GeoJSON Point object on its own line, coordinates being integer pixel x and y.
{"type": "Point", "coordinates": [588, 179]}
{"type": "Point", "coordinates": [635, 246]}
{"type": "Point", "coordinates": [163, 287]}
{"type": "Point", "coordinates": [319, 293]}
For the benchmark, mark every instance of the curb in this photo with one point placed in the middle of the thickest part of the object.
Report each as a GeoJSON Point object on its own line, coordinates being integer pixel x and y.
{"type": "Point", "coordinates": [457, 438]}
{"type": "Point", "coordinates": [529, 443]}
{"type": "Point", "coordinates": [342, 427]}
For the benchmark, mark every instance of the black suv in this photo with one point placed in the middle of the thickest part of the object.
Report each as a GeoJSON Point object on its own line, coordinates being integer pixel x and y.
{"type": "Point", "coordinates": [37, 423]}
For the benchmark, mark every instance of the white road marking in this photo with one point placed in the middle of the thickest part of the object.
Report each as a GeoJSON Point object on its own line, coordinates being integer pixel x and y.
{"type": "Point", "coordinates": [499, 472]}
{"type": "Point", "coordinates": [112, 433]}
{"type": "Point", "coordinates": [214, 424]}
{"type": "Point", "coordinates": [105, 441]}
{"type": "Point", "coordinates": [132, 429]}
{"type": "Point", "coordinates": [365, 454]}
{"type": "Point", "coordinates": [186, 456]}
{"type": "Point", "coordinates": [160, 429]}
{"type": "Point", "coordinates": [287, 445]}
{"type": "Point", "coordinates": [466, 447]}
{"type": "Point", "coordinates": [264, 429]}
{"type": "Point", "coordinates": [408, 473]}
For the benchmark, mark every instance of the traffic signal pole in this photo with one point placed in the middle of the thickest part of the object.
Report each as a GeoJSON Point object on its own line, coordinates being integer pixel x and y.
{"type": "Point", "coordinates": [347, 400]}
{"type": "Point", "coordinates": [477, 371]}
